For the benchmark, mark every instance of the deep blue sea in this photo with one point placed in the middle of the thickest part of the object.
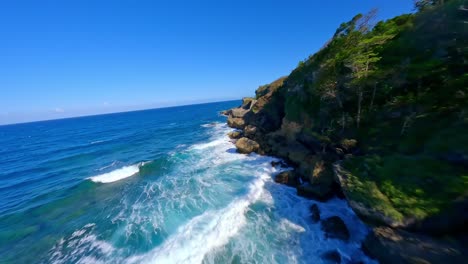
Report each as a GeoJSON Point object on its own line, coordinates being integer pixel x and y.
{"type": "Point", "coordinates": [154, 186]}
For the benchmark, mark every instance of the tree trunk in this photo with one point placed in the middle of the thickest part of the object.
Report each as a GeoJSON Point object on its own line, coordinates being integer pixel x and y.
{"type": "Point", "coordinates": [373, 97]}
{"type": "Point", "coordinates": [358, 119]}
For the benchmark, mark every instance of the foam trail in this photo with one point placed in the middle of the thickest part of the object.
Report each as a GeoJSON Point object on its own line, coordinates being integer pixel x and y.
{"type": "Point", "coordinates": [205, 232]}
{"type": "Point", "coordinates": [117, 175]}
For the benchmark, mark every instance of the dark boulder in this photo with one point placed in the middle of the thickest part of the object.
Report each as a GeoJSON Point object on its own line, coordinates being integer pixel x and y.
{"type": "Point", "coordinates": [315, 213]}
{"type": "Point", "coordinates": [334, 227]}
{"type": "Point", "coordinates": [397, 246]}
{"type": "Point", "coordinates": [289, 178]}
{"type": "Point", "coordinates": [319, 192]}
{"type": "Point", "coordinates": [332, 256]}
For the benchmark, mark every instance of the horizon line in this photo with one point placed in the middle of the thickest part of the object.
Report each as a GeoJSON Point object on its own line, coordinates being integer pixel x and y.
{"type": "Point", "coordinates": [118, 112]}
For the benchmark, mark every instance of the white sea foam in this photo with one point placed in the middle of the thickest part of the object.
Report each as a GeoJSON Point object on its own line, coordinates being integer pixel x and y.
{"type": "Point", "coordinates": [205, 232]}
{"type": "Point", "coordinates": [117, 175]}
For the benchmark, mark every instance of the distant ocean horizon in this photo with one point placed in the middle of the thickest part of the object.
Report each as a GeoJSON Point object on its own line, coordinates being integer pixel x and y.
{"type": "Point", "coordinates": [120, 111]}
{"type": "Point", "coordinates": [163, 185]}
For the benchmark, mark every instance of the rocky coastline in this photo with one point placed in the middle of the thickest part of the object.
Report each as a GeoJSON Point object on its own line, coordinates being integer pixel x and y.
{"type": "Point", "coordinates": [319, 175]}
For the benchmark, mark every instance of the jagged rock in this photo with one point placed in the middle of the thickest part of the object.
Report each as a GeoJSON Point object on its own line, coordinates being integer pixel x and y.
{"type": "Point", "coordinates": [290, 129]}
{"type": "Point", "coordinates": [246, 146]}
{"type": "Point", "coordinates": [315, 213]}
{"type": "Point", "coordinates": [317, 191]}
{"type": "Point", "coordinates": [269, 88]}
{"type": "Point", "coordinates": [397, 246]}
{"type": "Point", "coordinates": [348, 144]}
{"type": "Point", "coordinates": [280, 163]}
{"type": "Point", "coordinates": [297, 153]}
{"type": "Point", "coordinates": [250, 131]}
{"type": "Point", "coordinates": [235, 134]}
{"type": "Point", "coordinates": [332, 256]}
{"type": "Point", "coordinates": [247, 103]}
{"type": "Point", "coordinates": [238, 112]}
{"type": "Point", "coordinates": [226, 112]}
{"type": "Point", "coordinates": [236, 122]}
{"type": "Point", "coordinates": [287, 177]}
{"type": "Point", "coordinates": [334, 227]}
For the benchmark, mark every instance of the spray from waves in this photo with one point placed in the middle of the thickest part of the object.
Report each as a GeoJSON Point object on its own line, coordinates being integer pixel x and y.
{"type": "Point", "coordinates": [203, 233]}
{"type": "Point", "coordinates": [118, 174]}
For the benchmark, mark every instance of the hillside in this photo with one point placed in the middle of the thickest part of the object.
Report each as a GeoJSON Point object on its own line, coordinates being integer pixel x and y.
{"type": "Point", "coordinates": [380, 116]}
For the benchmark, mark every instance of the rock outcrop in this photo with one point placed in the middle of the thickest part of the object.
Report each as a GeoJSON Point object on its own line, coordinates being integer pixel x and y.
{"type": "Point", "coordinates": [394, 147]}
{"type": "Point", "coordinates": [246, 146]}
{"type": "Point", "coordinates": [397, 246]}
{"type": "Point", "coordinates": [235, 134]}
{"type": "Point", "coordinates": [289, 178]}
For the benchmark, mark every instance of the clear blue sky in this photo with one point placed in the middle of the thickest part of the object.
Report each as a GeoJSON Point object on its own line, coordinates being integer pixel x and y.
{"type": "Point", "coordinates": [79, 57]}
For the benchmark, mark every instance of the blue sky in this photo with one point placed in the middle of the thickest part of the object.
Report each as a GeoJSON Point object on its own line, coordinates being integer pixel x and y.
{"type": "Point", "coordinates": [79, 57]}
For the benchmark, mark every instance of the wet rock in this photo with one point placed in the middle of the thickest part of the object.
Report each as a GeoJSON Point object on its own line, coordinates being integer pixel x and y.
{"type": "Point", "coordinates": [315, 213]}
{"type": "Point", "coordinates": [397, 246]}
{"type": "Point", "coordinates": [319, 192]}
{"type": "Point", "coordinates": [226, 112]}
{"type": "Point", "coordinates": [235, 135]}
{"type": "Point", "coordinates": [334, 227]}
{"type": "Point", "coordinates": [331, 256]}
{"type": "Point", "coordinates": [246, 146]}
{"type": "Point", "coordinates": [287, 177]}
{"type": "Point", "coordinates": [280, 163]}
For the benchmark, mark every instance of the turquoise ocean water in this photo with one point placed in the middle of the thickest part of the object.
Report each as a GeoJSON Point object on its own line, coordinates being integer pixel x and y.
{"type": "Point", "coordinates": [154, 186]}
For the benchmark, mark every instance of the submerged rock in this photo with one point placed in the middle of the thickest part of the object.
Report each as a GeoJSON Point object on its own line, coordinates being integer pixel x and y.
{"type": "Point", "coordinates": [331, 256]}
{"type": "Point", "coordinates": [246, 146]}
{"type": "Point", "coordinates": [287, 177]}
{"type": "Point", "coordinates": [234, 134]}
{"type": "Point", "coordinates": [334, 227]}
{"type": "Point", "coordinates": [280, 163]}
{"type": "Point", "coordinates": [315, 213]}
{"type": "Point", "coordinates": [396, 246]}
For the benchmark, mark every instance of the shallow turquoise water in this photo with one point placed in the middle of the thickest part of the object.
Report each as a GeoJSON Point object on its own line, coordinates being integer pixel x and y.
{"type": "Point", "coordinates": [155, 186]}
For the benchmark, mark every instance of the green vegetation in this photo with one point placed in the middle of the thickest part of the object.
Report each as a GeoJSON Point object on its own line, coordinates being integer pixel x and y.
{"type": "Point", "coordinates": [405, 186]}
{"type": "Point", "coordinates": [399, 88]}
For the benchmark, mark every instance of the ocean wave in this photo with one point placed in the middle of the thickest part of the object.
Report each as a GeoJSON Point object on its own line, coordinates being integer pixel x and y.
{"type": "Point", "coordinates": [205, 232]}
{"type": "Point", "coordinates": [117, 175]}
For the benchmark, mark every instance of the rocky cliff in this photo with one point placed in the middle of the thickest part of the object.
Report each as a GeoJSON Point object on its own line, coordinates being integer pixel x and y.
{"type": "Point", "coordinates": [378, 116]}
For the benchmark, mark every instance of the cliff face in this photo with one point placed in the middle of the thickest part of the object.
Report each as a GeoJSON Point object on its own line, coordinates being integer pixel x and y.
{"type": "Point", "coordinates": [379, 115]}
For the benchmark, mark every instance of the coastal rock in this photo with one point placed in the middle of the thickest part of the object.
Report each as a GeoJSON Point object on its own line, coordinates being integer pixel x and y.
{"type": "Point", "coordinates": [246, 146]}
{"type": "Point", "coordinates": [280, 163]}
{"type": "Point", "coordinates": [334, 227]}
{"type": "Point", "coordinates": [236, 122]}
{"type": "Point", "coordinates": [317, 191]}
{"type": "Point", "coordinates": [287, 177]}
{"type": "Point", "coordinates": [332, 256]}
{"type": "Point", "coordinates": [315, 213]}
{"type": "Point", "coordinates": [397, 246]}
{"type": "Point", "coordinates": [363, 208]}
{"type": "Point", "coordinates": [234, 134]}
{"type": "Point", "coordinates": [250, 131]}
{"type": "Point", "coordinates": [247, 103]}
{"type": "Point", "coordinates": [348, 144]}
{"type": "Point", "coordinates": [226, 112]}
{"type": "Point", "coordinates": [238, 112]}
